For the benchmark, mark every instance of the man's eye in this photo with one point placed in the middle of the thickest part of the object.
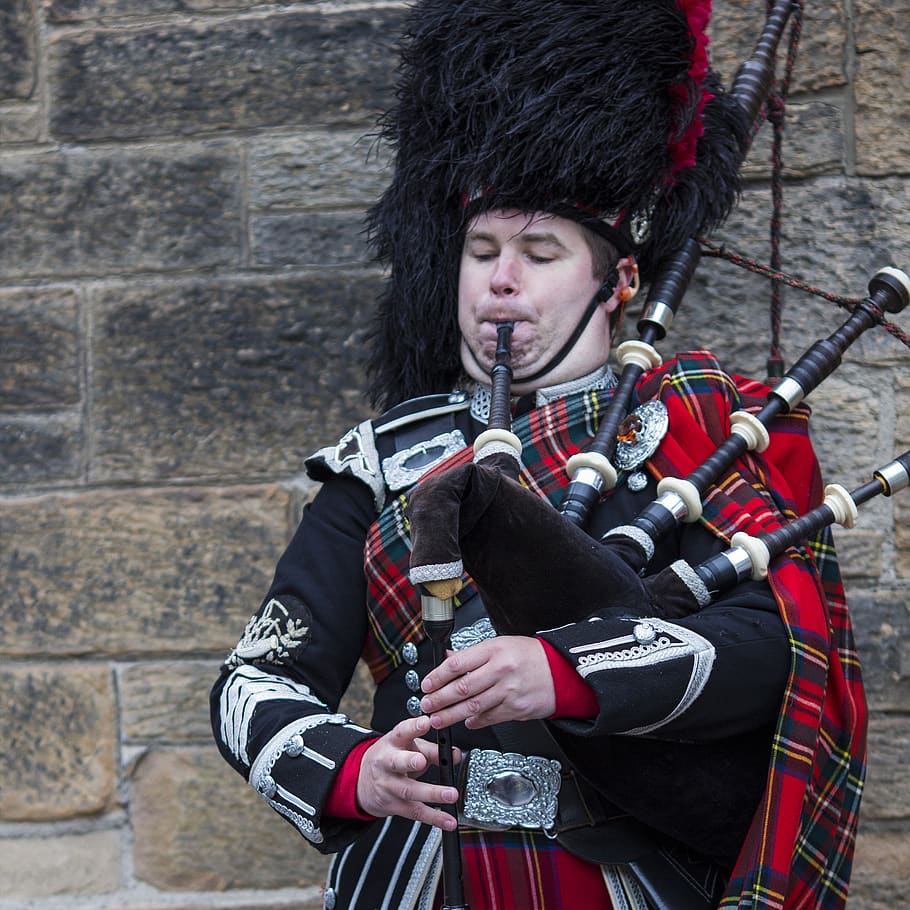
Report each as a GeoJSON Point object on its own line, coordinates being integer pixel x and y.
{"type": "Point", "coordinates": [536, 257]}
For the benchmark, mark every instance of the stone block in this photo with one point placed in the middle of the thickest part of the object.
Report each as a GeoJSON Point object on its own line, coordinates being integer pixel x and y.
{"type": "Point", "coordinates": [20, 123]}
{"type": "Point", "coordinates": [316, 169]}
{"type": "Point", "coordinates": [18, 58]}
{"type": "Point", "coordinates": [61, 865]}
{"type": "Point", "coordinates": [836, 234]}
{"type": "Point", "coordinates": [222, 378]}
{"type": "Point", "coordinates": [58, 734]}
{"type": "Point", "coordinates": [41, 450]}
{"type": "Point", "coordinates": [301, 68]}
{"type": "Point", "coordinates": [882, 86]}
{"type": "Point", "coordinates": [880, 866]}
{"type": "Point", "coordinates": [323, 239]}
{"type": "Point", "coordinates": [881, 626]}
{"type": "Point", "coordinates": [167, 701]}
{"type": "Point", "coordinates": [61, 11]}
{"type": "Point", "coordinates": [813, 143]}
{"type": "Point", "coordinates": [69, 211]}
{"type": "Point", "coordinates": [887, 792]}
{"type": "Point", "coordinates": [859, 553]}
{"type": "Point", "coordinates": [39, 349]}
{"type": "Point", "coordinates": [737, 24]}
{"type": "Point", "coordinates": [163, 572]}
{"type": "Point", "coordinates": [845, 426]}
{"type": "Point", "coordinates": [198, 825]}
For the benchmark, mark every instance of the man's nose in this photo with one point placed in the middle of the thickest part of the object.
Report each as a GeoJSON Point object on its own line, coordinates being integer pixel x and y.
{"type": "Point", "coordinates": [505, 280]}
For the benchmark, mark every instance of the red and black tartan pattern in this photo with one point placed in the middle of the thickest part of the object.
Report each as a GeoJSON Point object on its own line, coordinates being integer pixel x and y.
{"type": "Point", "coordinates": [798, 852]}
{"type": "Point", "coordinates": [505, 870]}
{"type": "Point", "coordinates": [799, 849]}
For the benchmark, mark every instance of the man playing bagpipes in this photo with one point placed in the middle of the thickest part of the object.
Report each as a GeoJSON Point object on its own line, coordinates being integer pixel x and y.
{"type": "Point", "coordinates": [614, 748]}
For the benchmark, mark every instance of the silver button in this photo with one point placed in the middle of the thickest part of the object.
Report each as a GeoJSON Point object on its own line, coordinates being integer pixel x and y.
{"type": "Point", "coordinates": [409, 653]}
{"type": "Point", "coordinates": [294, 746]}
{"type": "Point", "coordinates": [413, 706]}
{"type": "Point", "coordinates": [412, 680]}
{"type": "Point", "coordinates": [267, 787]}
{"type": "Point", "coordinates": [328, 899]}
{"type": "Point", "coordinates": [644, 633]}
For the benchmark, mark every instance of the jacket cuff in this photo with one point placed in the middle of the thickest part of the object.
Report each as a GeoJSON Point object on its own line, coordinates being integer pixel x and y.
{"type": "Point", "coordinates": [574, 697]}
{"type": "Point", "coordinates": [342, 799]}
{"type": "Point", "coordinates": [645, 672]}
{"type": "Point", "coordinates": [294, 772]}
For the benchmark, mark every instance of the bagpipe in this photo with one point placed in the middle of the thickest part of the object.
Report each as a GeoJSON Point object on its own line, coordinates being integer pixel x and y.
{"type": "Point", "coordinates": [465, 519]}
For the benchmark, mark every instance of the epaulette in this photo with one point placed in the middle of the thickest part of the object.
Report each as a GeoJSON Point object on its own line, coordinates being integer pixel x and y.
{"type": "Point", "coordinates": [395, 450]}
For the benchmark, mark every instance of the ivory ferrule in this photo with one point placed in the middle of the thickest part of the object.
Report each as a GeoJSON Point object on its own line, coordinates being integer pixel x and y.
{"type": "Point", "coordinates": [592, 469]}
{"type": "Point", "coordinates": [750, 428]}
{"type": "Point", "coordinates": [841, 504]}
{"type": "Point", "coordinates": [755, 551]}
{"type": "Point", "coordinates": [639, 353]}
{"type": "Point", "coordinates": [502, 438]}
{"type": "Point", "coordinates": [680, 497]}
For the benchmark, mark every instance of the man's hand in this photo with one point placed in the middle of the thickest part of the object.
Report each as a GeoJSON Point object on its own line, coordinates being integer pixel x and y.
{"type": "Point", "coordinates": [505, 678]}
{"type": "Point", "coordinates": [387, 784]}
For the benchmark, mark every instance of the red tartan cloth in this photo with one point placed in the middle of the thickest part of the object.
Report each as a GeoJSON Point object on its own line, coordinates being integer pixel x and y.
{"type": "Point", "coordinates": [524, 871]}
{"type": "Point", "coordinates": [799, 849]}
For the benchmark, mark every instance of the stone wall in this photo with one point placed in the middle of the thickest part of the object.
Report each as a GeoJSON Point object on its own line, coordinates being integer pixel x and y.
{"type": "Point", "coordinates": [183, 290]}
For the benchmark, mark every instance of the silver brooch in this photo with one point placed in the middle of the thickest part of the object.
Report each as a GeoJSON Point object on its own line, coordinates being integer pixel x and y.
{"type": "Point", "coordinates": [640, 434]}
{"type": "Point", "coordinates": [482, 630]}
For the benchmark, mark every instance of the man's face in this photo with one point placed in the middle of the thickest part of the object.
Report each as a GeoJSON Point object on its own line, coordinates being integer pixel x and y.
{"type": "Point", "coordinates": [535, 270]}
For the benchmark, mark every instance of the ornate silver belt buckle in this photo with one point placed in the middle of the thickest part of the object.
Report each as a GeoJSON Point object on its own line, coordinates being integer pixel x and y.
{"type": "Point", "coordinates": [508, 790]}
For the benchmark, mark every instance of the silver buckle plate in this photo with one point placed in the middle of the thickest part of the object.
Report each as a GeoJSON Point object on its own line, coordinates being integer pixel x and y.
{"type": "Point", "coordinates": [508, 790]}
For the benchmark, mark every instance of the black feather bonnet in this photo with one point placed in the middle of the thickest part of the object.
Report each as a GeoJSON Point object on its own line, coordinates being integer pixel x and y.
{"type": "Point", "coordinates": [605, 105]}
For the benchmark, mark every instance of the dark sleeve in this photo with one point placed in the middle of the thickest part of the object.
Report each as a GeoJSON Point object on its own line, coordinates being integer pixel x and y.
{"type": "Point", "coordinates": [274, 707]}
{"type": "Point", "coordinates": [716, 673]}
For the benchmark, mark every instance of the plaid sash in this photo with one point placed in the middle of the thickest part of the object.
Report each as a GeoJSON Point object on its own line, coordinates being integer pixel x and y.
{"type": "Point", "coordinates": [799, 849]}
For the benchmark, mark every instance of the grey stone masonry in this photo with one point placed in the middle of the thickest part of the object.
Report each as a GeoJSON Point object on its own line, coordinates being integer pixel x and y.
{"type": "Point", "coordinates": [185, 296]}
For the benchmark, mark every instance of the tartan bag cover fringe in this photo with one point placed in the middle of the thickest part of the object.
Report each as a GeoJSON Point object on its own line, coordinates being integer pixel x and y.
{"type": "Point", "coordinates": [799, 848]}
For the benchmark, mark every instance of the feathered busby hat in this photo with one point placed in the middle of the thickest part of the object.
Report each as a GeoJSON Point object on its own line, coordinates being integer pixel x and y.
{"type": "Point", "coordinates": [606, 107]}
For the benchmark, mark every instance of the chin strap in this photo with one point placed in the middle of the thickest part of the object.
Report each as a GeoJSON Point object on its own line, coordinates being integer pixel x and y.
{"type": "Point", "coordinates": [604, 292]}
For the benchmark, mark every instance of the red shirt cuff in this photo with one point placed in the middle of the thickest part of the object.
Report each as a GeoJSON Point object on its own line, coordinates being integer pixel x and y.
{"type": "Point", "coordinates": [342, 798]}
{"type": "Point", "coordinates": [574, 697]}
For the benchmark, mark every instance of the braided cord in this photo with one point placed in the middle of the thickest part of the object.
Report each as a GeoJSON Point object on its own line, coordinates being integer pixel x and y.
{"type": "Point", "coordinates": [751, 265]}
{"type": "Point", "coordinates": [774, 111]}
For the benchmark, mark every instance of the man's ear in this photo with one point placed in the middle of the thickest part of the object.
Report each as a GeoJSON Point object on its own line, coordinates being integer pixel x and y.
{"type": "Point", "coordinates": [628, 284]}
{"type": "Point", "coordinates": [620, 285]}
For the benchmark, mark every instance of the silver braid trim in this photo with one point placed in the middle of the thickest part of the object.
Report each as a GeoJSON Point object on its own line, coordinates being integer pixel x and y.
{"type": "Point", "coordinates": [636, 534]}
{"type": "Point", "coordinates": [493, 448]}
{"type": "Point", "coordinates": [690, 579]}
{"type": "Point", "coordinates": [437, 572]}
